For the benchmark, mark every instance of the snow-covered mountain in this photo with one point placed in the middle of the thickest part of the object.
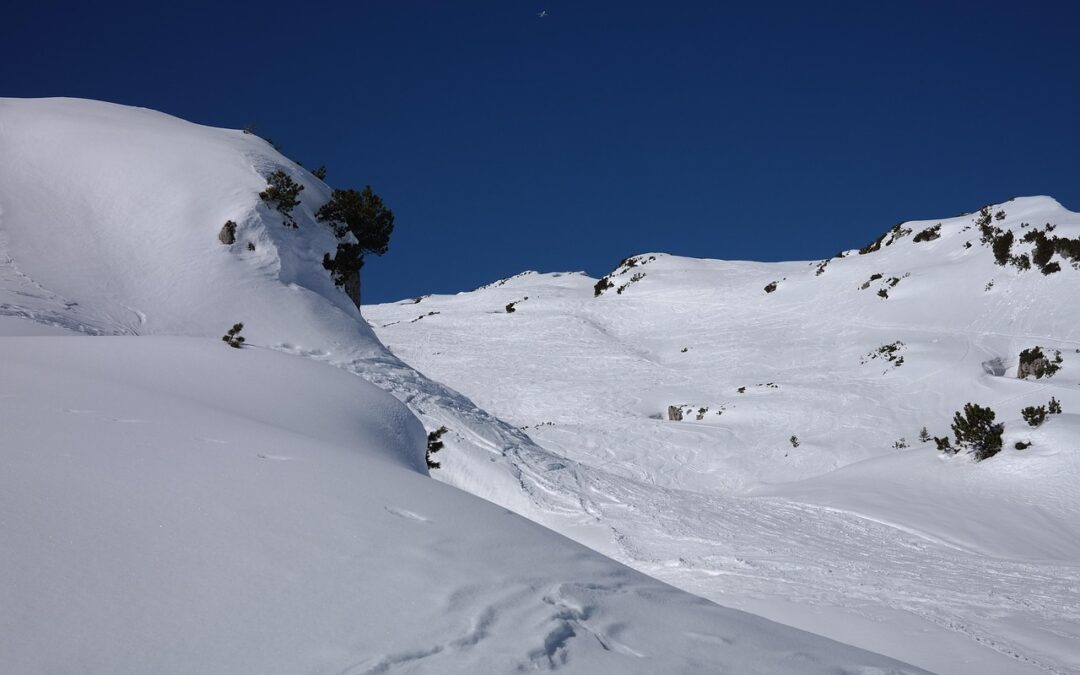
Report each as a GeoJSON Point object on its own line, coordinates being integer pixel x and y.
{"type": "Point", "coordinates": [795, 484]}
{"type": "Point", "coordinates": [169, 504]}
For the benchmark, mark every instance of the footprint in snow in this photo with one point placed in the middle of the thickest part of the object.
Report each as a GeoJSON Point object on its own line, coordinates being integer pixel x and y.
{"type": "Point", "coordinates": [276, 458]}
{"type": "Point", "coordinates": [73, 411]}
{"type": "Point", "coordinates": [215, 441]}
{"type": "Point", "coordinates": [409, 515]}
{"type": "Point", "coordinates": [121, 420]}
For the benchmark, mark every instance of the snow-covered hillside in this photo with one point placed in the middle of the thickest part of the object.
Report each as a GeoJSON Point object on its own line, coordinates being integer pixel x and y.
{"type": "Point", "coordinates": [860, 532]}
{"type": "Point", "coordinates": [169, 504]}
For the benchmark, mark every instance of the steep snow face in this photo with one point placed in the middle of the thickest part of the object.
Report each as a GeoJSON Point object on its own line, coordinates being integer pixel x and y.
{"type": "Point", "coordinates": [860, 531]}
{"type": "Point", "coordinates": [173, 505]}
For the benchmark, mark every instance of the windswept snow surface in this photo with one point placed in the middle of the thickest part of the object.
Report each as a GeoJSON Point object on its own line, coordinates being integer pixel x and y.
{"type": "Point", "coordinates": [954, 566]}
{"type": "Point", "coordinates": [171, 505]}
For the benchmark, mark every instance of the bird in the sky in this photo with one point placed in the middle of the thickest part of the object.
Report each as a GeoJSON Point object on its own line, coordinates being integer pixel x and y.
{"type": "Point", "coordinates": [542, 13]}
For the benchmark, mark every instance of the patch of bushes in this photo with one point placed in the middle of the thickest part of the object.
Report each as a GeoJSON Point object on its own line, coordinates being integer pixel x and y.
{"type": "Point", "coordinates": [889, 353]}
{"type": "Point", "coordinates": [602, 285]}
{"type": "Point", "coordinates": [1034, 362]}
{"type": "Point", "coordinates": [929, 234]}
{"type": "Point", "coordinates": [770, 287]}
{"type": "Point", "coordinates": [895, 233]}
{"type": "Point", "coordinates": [633, 280]}
{"type": "Point", "coordinates": [794, 441]}
{"type": "Point", "coordinates": [1002, 247]}
{"type": "Point", "coordinates": [1054, 406]}
{"type": "Point", "coordinates": [283, 193]}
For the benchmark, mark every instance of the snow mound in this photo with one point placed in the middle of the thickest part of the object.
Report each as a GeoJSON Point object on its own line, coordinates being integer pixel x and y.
{"type": "Point", "coordinates": [172, 505]}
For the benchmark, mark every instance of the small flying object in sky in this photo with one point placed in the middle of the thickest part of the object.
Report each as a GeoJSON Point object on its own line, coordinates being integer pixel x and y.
{"type": "Point", "coordinates": [542, 13]}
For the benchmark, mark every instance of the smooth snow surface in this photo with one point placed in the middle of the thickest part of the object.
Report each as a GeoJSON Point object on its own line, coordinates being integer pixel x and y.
{"type": "Point", "coordinates": [171, 505]}
{"type": "Point", "coordinates": [954, 566]}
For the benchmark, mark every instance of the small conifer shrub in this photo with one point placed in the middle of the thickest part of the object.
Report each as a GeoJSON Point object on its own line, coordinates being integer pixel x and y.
{"type": "Point", "coordinates": [320, 172]}
{"type": "Point", "coordinates": [233, 338]}
{"type": "Point", "coordinates": [924, 435]}
{"type": "Point", "coordinates": [283, 193]}
{"type": "Point", "coordinates": [602, 285]}
{"type": "Point", "coordinates": [1002, 247]}
{"type": "Point", "coordinates": [976, 431]}
{"type": "Point", "coordinates": [434, 444]}
{"type": "Point", "coordinates": [794, 441]}
{"type": "Point", "coordinates": [944, 445]}
{"type": "Point", "coordinates": [1054, 406]}
{"type": "Point", "coordinates": [770, 287]}
{"type": "Point", "coordinates": [251, 246]}
{"type": "Point", "coordinates": [1034, 415]}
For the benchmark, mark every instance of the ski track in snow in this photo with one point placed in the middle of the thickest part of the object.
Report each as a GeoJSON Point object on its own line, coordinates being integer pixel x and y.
{"type": "Point", "coordinates": [768, 548]}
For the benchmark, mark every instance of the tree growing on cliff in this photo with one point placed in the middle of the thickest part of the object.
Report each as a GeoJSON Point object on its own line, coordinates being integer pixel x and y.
{"type": "Point", "coordinates": [363, 226]}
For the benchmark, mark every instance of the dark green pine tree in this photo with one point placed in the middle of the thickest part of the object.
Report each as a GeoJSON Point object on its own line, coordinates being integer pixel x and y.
{"type": "Point", "coordinates": [363, 215]}
{"type": "Point", "coordinates": [976, 431]}
{"type": "Point", "coordinates": [434, 444]}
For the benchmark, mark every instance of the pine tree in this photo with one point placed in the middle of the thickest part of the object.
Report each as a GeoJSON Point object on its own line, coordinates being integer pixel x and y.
{"type": "Point", "coordinates": [975, 430]}
{"type": "Point", "coordinates": [924, 435]}
{"type": "Point", "coordinates": [363, 216]}
{"type": "Point", "coordinates": [283, 193]}
{"type": "Point", "coordinates": [434, 444]}
{"type": "Point", "coordinates": [1034, 415]}
{"type": "Point", "coordinates": [233, 337]}
{"type": "Point", "coordinates": [1054, 406]}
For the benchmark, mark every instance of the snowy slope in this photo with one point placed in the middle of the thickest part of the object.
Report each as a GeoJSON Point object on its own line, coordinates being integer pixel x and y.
{"type": "Point", "coordinates": [948, 564]}
{"type": "Point", "coordinates": [172, 505]}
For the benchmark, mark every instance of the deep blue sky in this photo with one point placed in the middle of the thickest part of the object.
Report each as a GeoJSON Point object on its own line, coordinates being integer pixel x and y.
{"type": "Point", "coordinates": [504, 141]}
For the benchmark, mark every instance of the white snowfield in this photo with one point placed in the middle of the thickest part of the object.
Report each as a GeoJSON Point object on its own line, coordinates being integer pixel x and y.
{"type": "Point", "coordinates": [952, 565]}
{"type": "Point", "coordinates": [171, 505]}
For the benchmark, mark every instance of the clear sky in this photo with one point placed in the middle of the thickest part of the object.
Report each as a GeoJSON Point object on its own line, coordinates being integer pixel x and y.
{"type": "Point", "coordinates": [505, 141]}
